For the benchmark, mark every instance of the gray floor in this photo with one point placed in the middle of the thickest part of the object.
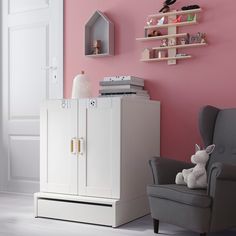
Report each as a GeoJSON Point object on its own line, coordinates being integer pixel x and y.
{"type": "Point", "coordinates": [16, 218]}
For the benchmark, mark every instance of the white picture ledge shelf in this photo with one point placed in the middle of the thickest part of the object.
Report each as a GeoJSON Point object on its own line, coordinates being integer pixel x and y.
{"type": "Point", "coordinates": [174, 13]}
{"type": "Point", "coordinates": [161, 37]}
{"type": "Point", "coordinates": [181, 46]}
{"type": "Point", "coordinates": [190, 17]}
{"type": "Point", "coordinates": [185, 23]}
{"type": "Point", "coordinates": [166, 58]}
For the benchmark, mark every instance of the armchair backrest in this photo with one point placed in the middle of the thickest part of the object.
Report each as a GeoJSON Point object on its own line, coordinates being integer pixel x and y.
{"type": "Point", "coordinates": [219, 127]}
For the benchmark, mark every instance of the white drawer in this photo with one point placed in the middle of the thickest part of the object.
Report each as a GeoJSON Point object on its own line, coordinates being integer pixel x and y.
{"type": "Point", "coordinates": [76, 211]}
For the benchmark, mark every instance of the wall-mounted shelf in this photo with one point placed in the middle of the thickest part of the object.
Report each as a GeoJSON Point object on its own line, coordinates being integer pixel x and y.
{"type": "Point", "coordinates": [161, 37]}
{"type": "Point", "coordinates": [99, 28]}
{"type": "Point", "coordinates": [185, 23]}
{"type": "Point", "coordinates": [98, 55]}
{"type": "Point", "coordinates": [192, 45]}
{"type": "Point", "coordinates": [166, 58]}
{"type": "Point", "coordinates": [172, 13]}
{"type": "Point", "coordinates": [172, 21]}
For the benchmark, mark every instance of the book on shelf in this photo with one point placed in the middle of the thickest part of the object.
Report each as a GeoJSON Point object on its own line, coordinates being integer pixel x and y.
{"type": "Point", "coordinates": [124, 86]}
{"type": "Point", "coordinates": [122, 91]}
{"type": "Point", "coordinates": [123, 78]}
{"type": "Point", "coordinates": [121, 82]}
{"type": "Point", "coordinates": [126, 95]}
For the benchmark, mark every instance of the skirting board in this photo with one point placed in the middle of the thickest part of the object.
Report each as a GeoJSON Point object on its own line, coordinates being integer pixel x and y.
{"type": "Point", "coordinates": [101, 211]}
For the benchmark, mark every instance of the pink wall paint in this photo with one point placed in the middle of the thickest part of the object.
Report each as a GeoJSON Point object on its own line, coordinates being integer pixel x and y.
{"type": "Point", "coordinates": [208, 78]}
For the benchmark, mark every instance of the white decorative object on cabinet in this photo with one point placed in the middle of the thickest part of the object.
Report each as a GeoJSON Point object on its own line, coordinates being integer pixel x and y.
{"type": "Point", "coordinates": [81, 87]}
{"type": "Point", "coordinates": [94, 159]}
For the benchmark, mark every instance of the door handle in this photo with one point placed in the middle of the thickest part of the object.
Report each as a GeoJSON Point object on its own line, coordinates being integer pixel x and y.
{"type": "Point", "coordinates": [49, 68]}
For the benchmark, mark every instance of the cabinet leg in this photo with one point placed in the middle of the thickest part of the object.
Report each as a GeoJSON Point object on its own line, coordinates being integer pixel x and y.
{"type": "Point", "coordinates": [156, 226]}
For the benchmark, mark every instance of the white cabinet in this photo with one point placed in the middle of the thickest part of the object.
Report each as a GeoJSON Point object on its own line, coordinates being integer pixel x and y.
{"type": "Point", "coordinates": [94, 155]}
{"type": "Point", "coordinates": [65, 124]}
{"type": "Point", "coordinates": [58, 165]}
{"type": "Point", "coordinates": [99, 126]}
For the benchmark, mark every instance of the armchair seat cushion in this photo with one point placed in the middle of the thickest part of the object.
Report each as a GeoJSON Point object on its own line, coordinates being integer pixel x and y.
{"type": "Point", "coordinates": [181, 194]}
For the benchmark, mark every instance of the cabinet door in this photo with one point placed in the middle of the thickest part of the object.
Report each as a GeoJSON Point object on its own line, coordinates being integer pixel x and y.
{"type": "Point", "coordinates": [58, 165]}
{"type": "Point", "coordinates": [99, 163]}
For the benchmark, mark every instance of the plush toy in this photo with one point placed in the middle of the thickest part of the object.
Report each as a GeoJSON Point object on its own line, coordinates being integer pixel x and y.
{"type": "Point", "coordinates": [196, 177]}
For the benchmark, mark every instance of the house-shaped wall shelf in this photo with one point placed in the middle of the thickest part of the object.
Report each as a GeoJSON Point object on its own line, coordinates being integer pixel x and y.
{"type": "Point", "coordinates": [99, 27]}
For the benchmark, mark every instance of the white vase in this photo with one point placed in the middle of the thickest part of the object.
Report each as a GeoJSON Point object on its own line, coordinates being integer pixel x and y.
{"type": "Point", "coordinates": [81, 87]}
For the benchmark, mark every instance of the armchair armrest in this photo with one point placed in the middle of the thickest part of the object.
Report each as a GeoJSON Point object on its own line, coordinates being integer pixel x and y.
{"type": "Point", "coordinates": [220, 171]}
{"type": "Point", "coordinates": [222, 189]}
{"type": "Point", "coordinates": [164, 170]}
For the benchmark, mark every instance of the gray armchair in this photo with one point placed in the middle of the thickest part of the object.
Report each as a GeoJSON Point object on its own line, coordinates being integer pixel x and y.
{"type": "Point", "coordinates": [200, 210]}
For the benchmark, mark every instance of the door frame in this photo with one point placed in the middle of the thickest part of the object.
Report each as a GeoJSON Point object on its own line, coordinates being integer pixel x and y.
{"type": "Point", "coordinates": [4, 87]}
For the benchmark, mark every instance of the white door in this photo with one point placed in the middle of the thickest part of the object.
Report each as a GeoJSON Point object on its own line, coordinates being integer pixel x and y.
{"type": "Point", "coordinates": [99, 164]}
{"type": "Point", "coordinates": [59, 158]}
{"type": "Point", "coordinates": [32, 71]}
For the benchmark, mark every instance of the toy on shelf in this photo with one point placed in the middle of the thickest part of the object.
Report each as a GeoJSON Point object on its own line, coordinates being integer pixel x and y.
{"type": "Point", "coordinates": [148, 54]}
{"type": "Point", "coordinates": [203, 38]}
{"type": "Point", "coordinates": [154, 33]}
{"type": "Point", "coordinates": [184, 40]}
{"type": "Point", "coordinates": [198, 38]}
{"type": "Point", "coordinates": [161, 21]}
{"type": "Point", "coordinates": [164, 43]}
{"type": "Point", "coordinates": [166, 5]}
{"type": "Point", "coordinates": [172, 42]}
{"type": "Point", "coordinates": [178, 19]}
{"type": "Point", "coordinates": [190, 7]}
{"type": "Point", "coordinates": [151, 22]}
{"type": "Point", "coordinates": [96, 47]}
{"type": "Point", "coordinates": [191, 17]}
{"type": "Point", "coordinates": [161, 54]}
{"type": "Point", "coordinates": [181, 55]}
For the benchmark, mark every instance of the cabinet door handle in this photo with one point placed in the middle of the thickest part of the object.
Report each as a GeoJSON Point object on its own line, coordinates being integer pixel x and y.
{"type": "Point", "coordinates": [73, 147]}
{"type": "Point", "coordinates": [81, 146]}
{"type": "Point", "coordinates": [77, 146]}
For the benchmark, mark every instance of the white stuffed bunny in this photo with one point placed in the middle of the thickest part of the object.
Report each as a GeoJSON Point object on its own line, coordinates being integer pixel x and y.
{"type": "Point", "coordinates": [196, 177]}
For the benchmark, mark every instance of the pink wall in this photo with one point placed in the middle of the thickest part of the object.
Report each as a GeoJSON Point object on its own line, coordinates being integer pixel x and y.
{"type": "Point", "coordinates": [208, 78]}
